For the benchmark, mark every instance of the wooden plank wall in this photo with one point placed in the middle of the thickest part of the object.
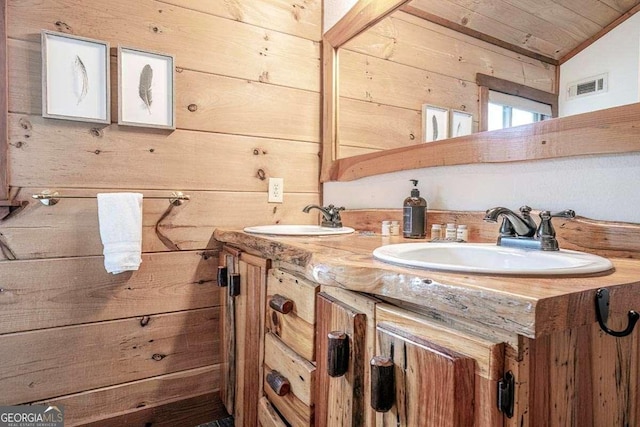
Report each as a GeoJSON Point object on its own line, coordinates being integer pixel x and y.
{"type": "Point", "coordinates": [390, 70]}
{"type": "Point", "coordinates": [143, 347]}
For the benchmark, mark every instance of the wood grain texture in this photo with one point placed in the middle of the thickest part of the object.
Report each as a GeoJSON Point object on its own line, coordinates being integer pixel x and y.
{"type": "Point", "coordinates": [434, 385]}
{"type": "Point", "coordinates": [605, 238]}
{"type": "Point", "coordinates": [361, 16]}
{"type": "Point", "coordinates": [4, 91]}
{"type": "Point", "coordinates": [292, 409]}
{"type": "Point", "coordinates": [253, 53]}
{"type": "Point", "coordinates": [606, 29]}
{"type": "Point", "coordinates": [109, 157]}
{"type": "Point", "coordinates": [298, 371]}
{"type": "Point", "coordinates": [529, 306]}
{"type": "Point", "coordinates": [302, 20]}
{"type": "Point", "coordinates": [409, 40]}
{"type": "Point", "coordinates": [421, 13]}
{"type": "Point", "coordinates": [379, 81]}
{"type": "Point", "coordinates": [376, 126]}
{"type": "Point", "coordinates": [249, 332]}
{"type": "Point", "coordinates": [585, 377]}
{"type": "Point", "coordinates": [245, 70]}
{"type": "Point", "coordinates": [551, 30]}
{"type": "Point", "coordinates": [602, 132]}
{"type": "Point", "coordinates": [204, 102]}
{"type": "Point", "coordinates": [81, 291]}
{"type": "Point", "coordinates": [106, 353]}
{"type": "Point", "coordinates": [228, 259]}
{"type": "Point", "coordinates": [365, 304]}
{"type": "Point", "coordinates": [340, 400]}
{"type": "Point", "coordinates": [127, 399]}
{"type": "Point", "coordinates": [487, 354]}
{"type": "Point", "coordinates": [188, 412]}
{"type": "Point", "coordinates": [297, 328]}
{"type": "Point", "coordinates": [188, 226]}
{"type": "Point", "coordinates": [267, 416]}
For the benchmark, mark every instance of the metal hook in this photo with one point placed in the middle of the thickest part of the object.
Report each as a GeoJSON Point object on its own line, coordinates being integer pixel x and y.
{"type": "Point", "coordinates": [602, 313]}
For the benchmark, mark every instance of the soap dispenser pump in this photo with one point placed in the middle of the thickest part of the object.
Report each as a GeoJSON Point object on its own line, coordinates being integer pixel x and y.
{"type": "Point", "coordinates": [414, 214]}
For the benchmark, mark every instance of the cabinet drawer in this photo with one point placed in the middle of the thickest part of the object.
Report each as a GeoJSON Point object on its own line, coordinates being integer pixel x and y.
{"type": "Point", "coordinates": [267, 416]}
{"type": "Point", "coordinates": [296, 327]}
{"type": "Point", "coordinates": [295, 403]}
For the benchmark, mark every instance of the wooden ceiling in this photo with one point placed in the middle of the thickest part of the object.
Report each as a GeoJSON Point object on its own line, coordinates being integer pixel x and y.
{"type": "Point", "coordinates": [550, 30]}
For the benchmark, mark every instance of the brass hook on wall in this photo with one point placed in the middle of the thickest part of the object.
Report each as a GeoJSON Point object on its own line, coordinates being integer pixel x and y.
{"type": "Point", "coordinates": [602, 314]}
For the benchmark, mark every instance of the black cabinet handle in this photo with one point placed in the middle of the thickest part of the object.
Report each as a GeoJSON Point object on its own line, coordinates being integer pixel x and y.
{"type": "Point", "coordinates": [337, 354]}
{"type": "Point", "coordinates": [383, 384]}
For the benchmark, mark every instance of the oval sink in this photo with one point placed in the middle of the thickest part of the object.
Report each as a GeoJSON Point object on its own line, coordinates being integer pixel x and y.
{"type": "Point", "coordinates": [297, 230]}
{"type": "Point", "coordinates": [487, 258]}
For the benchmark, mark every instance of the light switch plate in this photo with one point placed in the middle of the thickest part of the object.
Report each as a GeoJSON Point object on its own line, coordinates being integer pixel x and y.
{"type": "Point", "coordinates": [276, 190]}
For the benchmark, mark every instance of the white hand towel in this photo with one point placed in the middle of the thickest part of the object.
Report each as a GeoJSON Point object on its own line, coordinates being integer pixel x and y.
{"type": "Point", "coordinates": [120, 219]}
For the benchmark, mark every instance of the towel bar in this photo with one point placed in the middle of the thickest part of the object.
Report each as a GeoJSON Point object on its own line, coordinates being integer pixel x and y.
{"type": "Point", "coordinates": [49, 198]}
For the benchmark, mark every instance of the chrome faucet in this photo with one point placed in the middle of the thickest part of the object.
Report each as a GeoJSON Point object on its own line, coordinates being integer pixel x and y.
{"type": "Point", "coordinates": [331, 215]}
{"type": "Point", "coordinates": [521, 230]}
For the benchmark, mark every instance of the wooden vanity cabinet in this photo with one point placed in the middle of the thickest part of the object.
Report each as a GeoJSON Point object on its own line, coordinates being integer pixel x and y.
{"type": "Point", "coordinates": [344, 399]}
{"type": "Point", "coordinates": [442, 377]}
{"type": "Point", "coordinates": [578, 377]}
{"type": "Point", "coordinates": [289, 346]}
{"type": "Point", "coordinates": [242, 333]}
{"type": "Point", "coordinates": [444, 374]}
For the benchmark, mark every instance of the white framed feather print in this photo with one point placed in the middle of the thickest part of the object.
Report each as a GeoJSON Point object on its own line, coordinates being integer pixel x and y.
{"type": "Point", "coordinates": [75, 78]}
{"type": "Point", "coordinates": [146, 88]}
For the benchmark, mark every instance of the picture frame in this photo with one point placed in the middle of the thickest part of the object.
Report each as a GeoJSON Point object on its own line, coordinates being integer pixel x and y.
{"type": "Point", "coordinates": [75, 78]}
{"type": "Point", "coordinates": [461, 123]}
{"type": "Point", "coordinates": [146, 88]}
{"type": "Point", "coordinates": [435, 123]}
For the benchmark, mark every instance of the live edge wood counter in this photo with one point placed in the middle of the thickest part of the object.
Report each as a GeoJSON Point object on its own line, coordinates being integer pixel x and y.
{"type": "Point", "coordinates": [528, 306]}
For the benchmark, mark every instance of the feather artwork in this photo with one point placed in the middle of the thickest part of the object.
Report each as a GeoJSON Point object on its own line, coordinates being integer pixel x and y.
{"type": "Point", "coordinates": [459, 129]}
{"type": "Point", "coordinates": [81, 79]}
{"type": "Point", "coordinates": [434, 122]}
{"type": "Point", "coordinates": [144, 88]}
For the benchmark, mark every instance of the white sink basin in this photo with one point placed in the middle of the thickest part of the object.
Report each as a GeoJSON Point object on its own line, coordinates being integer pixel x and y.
{"type": "Point", "coordinates": [491, 259]}
{"type": "Point", "coordinates": [298, 230]}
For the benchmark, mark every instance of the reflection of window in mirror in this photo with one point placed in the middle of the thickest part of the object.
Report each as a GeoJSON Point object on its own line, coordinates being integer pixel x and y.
{"type": "Point", "coordinates": [508, 110]}
{"type": "Point", "coordinates": [504, 104]}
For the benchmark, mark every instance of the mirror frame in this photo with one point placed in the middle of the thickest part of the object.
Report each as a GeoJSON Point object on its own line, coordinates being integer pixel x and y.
{"type": "Point", "coordinates": [610, 131]}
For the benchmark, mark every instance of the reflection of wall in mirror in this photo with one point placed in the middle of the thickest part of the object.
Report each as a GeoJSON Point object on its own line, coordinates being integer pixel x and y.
{"type": "Point", "coordinates": [617, 53]}
{"type": "Point", "coordinates": [390, 70]}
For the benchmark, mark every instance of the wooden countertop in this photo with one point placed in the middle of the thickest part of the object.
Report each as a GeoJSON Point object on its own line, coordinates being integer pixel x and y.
{"type": "Point", "coordinates": [530, 306]}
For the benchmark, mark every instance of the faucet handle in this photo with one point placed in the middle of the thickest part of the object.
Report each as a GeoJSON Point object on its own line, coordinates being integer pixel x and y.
{"type": "Point", "coordinates": [546, 233]}
{"type": "Point", "coordinates": [525, 210]}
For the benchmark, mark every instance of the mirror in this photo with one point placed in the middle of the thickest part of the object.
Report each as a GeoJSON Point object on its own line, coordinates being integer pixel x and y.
{"type": "Point", "coordinates": [376, 131]}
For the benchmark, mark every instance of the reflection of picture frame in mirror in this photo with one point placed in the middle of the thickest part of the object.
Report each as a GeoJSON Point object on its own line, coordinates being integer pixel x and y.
{"type": "Point", "coordinates": [461, 123]}
{"type": "Point", "coordinates": [435, 123]}
{"type": "Point", "coordinates": [75, 78]}
{"type": "Point", "coordinates": [145, 89]}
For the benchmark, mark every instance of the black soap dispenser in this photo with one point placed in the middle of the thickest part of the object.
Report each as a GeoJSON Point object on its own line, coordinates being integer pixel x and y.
{"type": "Point", "coordinates": [414, 214]}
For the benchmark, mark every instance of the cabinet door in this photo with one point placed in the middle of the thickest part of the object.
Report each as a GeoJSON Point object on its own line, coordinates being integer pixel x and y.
{"type": "Point", "coordinates": [434, 386]}
{"type": "Point", "coordinates": [243, 335]}
{"type": "Point", "coordinates": [582, 377]}
{"type": "Point", "coordinates": [339, 399]}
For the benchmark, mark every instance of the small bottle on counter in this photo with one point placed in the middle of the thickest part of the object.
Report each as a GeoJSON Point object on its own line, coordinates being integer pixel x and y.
{"type": "Point", "coordinates": [414, 214]}
{"type": "Point", "coordinates": [450, 232]}
{"type": "Point", "coordinates": [394, 228]}
{"type": "Point", "coordinates": [386, 228]}
{"type": "Point", "coordinates": [436, 232]}
{"type": "Point", "coordinates": [462, 233]}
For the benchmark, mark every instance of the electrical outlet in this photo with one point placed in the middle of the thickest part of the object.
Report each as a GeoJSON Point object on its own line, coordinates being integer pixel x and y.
{"type": "Point", "coordinates": [276, 190]}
